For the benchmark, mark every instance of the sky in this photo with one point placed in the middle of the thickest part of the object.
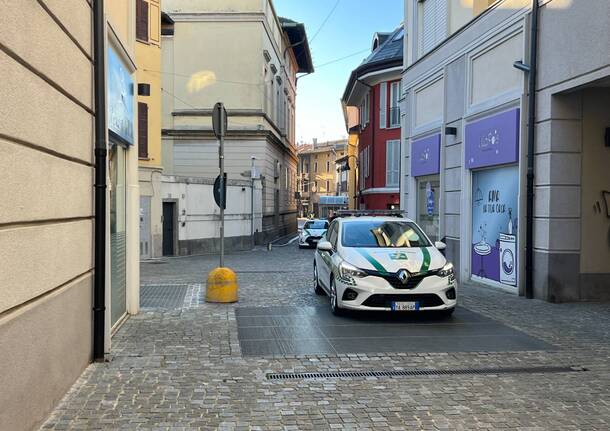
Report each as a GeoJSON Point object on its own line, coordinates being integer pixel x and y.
{"type": "Point", "coordinates": [348, 30]}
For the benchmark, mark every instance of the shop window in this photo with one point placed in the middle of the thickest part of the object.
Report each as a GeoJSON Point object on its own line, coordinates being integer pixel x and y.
{"type": "Point", "coordinates": [142, 20]}
{"type": "Point", "coordinates": [428, 194]}
{"type": "Point", "coordinates": [495, 199]}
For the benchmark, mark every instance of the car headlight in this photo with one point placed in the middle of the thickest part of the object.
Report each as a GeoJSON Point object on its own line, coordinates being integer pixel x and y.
{"type": "Point", "coordinates": [347, 270]}
{"type": "Point", "coordinates": [446, 270]}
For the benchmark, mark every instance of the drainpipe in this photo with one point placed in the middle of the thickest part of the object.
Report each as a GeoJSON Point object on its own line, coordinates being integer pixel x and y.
{"type": "Point", "coordinates": [531, 136]}
{"type": "Point", "coordinates": [99, 287]}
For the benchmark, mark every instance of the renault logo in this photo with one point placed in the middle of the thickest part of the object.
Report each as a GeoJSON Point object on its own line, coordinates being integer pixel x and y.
{"type": "Point", "coordinates": [403, 276]}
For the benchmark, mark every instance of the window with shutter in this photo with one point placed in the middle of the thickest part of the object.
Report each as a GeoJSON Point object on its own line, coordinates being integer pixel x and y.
{"type": "Point", "coordinates": [142, 130]}
{"type": "Point", "coordinates": [392, 163]}
{"type": "Point", "coordinates": [434, 23]}
{"type": "Point", "coordinates": [142, 20]}
{"type": "Point", "coordinates": [383, 96]}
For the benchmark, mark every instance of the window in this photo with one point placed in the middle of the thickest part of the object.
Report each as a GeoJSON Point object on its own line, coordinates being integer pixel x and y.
{"type": "Point", "coordinates": [375, 233]}
{"type": "Point", "coordinates": [364, 111]}
{"type": "Point", "coordinates": [315, 167]}
{"type": "Point", "coordinates": [383, 106]}
{"type": "Point", "coordinates": [142, 130]}
{"type": "Point", "coordinates": [327, 166]}
{"type": "Point", "coordinates": [434, 23]}
{"type": "Point", "coordinates": [392, 163]}
{"type": "Point", "coordinates": [395, 90]}
{"type": "Point", "coordinates": [316, 224]}
{"type": "Point", "coordinates": [367, 164]}
{"type": "Point", "coordinates": [142, 20]}
{"type": "Point", "coordinates": [327, 186]}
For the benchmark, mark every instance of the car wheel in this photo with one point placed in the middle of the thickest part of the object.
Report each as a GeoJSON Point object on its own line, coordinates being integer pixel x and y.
{"type": "Point", "coordinates": [316, 284]}
{"type": "Point", "coordinates": [334, 301]}
{"type": "Point", "coordinates": [448, 312]}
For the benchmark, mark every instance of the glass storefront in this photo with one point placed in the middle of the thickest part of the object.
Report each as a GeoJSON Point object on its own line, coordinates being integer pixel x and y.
{"type": "Point", "coordinates": [428, 195]}
{"type": "Point", "coordinates": [118, 222]}
{"type": "Point", "coordinates": [495, 194]}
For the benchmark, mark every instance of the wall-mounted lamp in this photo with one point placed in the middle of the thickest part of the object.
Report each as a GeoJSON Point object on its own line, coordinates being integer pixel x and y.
{"type": "Point", "coordinates": [521, 66]}
{"type": "Point", "coordinates": [451, 131]}
{"type": "Point", "coordinates": [143, 89]}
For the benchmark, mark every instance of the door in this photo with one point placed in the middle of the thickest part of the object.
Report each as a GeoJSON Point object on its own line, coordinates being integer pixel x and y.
{"type": "Point", "coordinates": [145, 252]}
{"type": "Point", "coordinates": [168, 228]}
{"type": "Point", "coordinates": [325, 261]}
{"type": "Point", "coordinates": [428, 195]}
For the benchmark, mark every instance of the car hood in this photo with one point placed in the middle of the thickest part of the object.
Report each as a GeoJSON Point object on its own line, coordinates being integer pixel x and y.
{"type": "Point", "coordinates": [314, 232]}
{"type": "Point", "coordinates": [390, 260]}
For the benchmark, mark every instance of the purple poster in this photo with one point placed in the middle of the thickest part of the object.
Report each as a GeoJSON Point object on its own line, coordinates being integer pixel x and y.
{"type": "Point", "coordinates": [425, 156]}
{"type": "Point", "coordinates": [495, 197]}
{"type": "Point", "coordinates": [493, 140]}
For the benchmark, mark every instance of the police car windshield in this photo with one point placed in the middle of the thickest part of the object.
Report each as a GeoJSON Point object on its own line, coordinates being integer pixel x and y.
{"type": "Point", "coordinates": [316, 224]}
{"type": "Point", "coordinates": [375, 233]}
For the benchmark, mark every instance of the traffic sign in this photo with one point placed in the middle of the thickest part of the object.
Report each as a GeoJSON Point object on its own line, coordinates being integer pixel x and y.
{"type": "Point", "coordinates": [220, 192]}
{"type": "Point", "coordinates": [219, 120]}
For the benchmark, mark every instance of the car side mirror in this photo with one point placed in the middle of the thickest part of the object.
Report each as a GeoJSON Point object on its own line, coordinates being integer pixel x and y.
{"type": "Point", "coordinates": [324, 245]}
{"type": "Point", "coordinates": [440, 245]}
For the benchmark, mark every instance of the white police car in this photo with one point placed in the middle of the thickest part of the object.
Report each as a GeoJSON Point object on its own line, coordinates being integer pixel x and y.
{"type": "Point", "coordinates": [383, 263]}
{"type": "Point", "coordinates": [312, 232]}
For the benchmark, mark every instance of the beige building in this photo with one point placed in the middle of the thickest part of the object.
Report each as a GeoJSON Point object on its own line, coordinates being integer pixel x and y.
{"type": "Point", "coordinates": [47, 201]}
{"type": "Point", "coordinates": [322, 184]}
{"type": "Point", "coordinates": [241, 53]}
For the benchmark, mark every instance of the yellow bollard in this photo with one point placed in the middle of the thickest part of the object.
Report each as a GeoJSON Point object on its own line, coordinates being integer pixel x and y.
{"type": "Point", "coordinates": [221, 286]}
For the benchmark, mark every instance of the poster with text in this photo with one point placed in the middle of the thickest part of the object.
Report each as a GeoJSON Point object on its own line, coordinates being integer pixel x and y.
{"type": "Point", "coordinates": [495, 197]}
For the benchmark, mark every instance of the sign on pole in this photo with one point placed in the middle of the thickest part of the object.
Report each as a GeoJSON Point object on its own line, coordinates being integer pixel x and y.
{"type": "Point", "coordinates": [219, 123]}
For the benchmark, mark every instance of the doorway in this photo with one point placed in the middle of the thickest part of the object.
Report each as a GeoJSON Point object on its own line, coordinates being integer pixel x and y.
{"type": "Point", "coordinates": [169, 212]}
{"type": "Point", "coordinates": [118, 233]}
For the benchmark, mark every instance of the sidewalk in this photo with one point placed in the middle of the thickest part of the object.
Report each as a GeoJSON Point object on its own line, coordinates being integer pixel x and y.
{"type": "Point", "coordinates": [182, 368]}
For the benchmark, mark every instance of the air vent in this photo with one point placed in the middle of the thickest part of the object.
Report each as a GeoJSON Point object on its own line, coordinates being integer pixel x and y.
{"type": "Point", "coordinates": [423, 372]}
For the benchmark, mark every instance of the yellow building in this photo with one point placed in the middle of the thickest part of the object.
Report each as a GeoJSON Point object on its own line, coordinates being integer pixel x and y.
{"type": "Point", "coordinates": [320, 179]}
{"type": "Point", "coordinates": [148, 62]}
{"type": "Point", "coordinates": [349, 162]}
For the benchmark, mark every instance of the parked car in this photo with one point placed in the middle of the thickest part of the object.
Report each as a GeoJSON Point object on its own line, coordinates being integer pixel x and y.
{"type": "Point", "coordinates": [313, 231]}
{"type": "Point", "coordinates": [383, 263]}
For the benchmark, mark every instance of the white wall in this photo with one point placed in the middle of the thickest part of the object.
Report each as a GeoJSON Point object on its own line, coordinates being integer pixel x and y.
{"type": "Point", "coordinates": [200, 214]}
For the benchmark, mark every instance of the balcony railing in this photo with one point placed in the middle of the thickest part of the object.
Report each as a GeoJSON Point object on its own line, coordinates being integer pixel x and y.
{"type": "Point", "coordinates": [395, 117]}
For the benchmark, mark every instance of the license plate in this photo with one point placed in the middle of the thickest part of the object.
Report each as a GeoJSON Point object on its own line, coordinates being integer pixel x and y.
{"type": "Point", "coordinates": [405, 306]}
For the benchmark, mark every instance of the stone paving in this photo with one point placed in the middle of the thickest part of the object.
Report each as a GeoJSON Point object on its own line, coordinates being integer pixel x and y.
{"type": "Point", "coordinates": [182, 369]}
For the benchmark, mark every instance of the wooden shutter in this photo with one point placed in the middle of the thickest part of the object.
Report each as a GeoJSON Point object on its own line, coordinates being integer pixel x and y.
{"type": "Point", "coordinates": [142, 20]}
{"type": "Point", "coordinates": [142, 130]}
{"type": "Point", "coordinates": [383, 108]}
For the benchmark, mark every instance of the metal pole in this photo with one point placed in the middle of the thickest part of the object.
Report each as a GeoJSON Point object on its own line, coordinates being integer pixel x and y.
{"type": "Point", "coordinates": [252, 175]}
{"type": "Point", "coordinates": [222, 196]}
{"type": "Point", "coordinates": [99, 289]}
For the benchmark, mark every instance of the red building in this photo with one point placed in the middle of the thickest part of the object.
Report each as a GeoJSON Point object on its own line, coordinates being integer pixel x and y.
{"type": "Point", "coordinates": [374, 88]}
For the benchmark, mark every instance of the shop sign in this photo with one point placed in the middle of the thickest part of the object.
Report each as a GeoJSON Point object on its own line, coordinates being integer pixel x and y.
{"type": "Point", "coordinates": [120, 100]}
{"type": "Point", "coordinates": [495, 197]}
{"type": "Point", "coordinates": [493, 140]}
{"type": "Point", "coordinates": [425, 156]}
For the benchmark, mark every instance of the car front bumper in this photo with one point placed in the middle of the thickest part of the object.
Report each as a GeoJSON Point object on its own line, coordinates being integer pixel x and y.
{"type": "Point", "coordinates": [309, 241]}
{"type": "Point", "coordinates": [377, 294]}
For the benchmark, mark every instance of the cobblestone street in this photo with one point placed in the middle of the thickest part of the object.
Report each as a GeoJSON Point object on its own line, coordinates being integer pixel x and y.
{"type": "Point", "coordinates": [178, 364]}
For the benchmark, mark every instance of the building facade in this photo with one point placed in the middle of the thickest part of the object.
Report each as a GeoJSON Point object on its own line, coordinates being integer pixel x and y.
{"type": "Point", "coordinates": [249, 61]}
{"type": "Point", "coordinates": [148, 62]}
{"type": "Point", "coordinates": [47, 211]}
{"type": "Point", "coordinates": [465, 142]}
{"type": "Point", "coordinates": [374, 88]}
{"type": "Point", "coordinates": [320, 180]}
{"type": "Point", "coordinates": [349, 162]}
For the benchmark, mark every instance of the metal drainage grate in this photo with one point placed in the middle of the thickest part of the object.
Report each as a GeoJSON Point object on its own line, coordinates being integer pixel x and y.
{"type": "Point", "coordinates": [422, 372]}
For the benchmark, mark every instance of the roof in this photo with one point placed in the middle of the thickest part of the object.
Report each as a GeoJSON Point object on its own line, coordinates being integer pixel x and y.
{"type": "Point", "coordinates": [298, 42]}
{"type": "Point", "coordinates": [387, 55]}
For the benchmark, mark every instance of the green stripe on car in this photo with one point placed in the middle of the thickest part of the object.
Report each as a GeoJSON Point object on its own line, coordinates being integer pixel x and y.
{"type": "Point", "coordinates": [426, 261]}
{"type": "Point", "coordinates": [379, 267]}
